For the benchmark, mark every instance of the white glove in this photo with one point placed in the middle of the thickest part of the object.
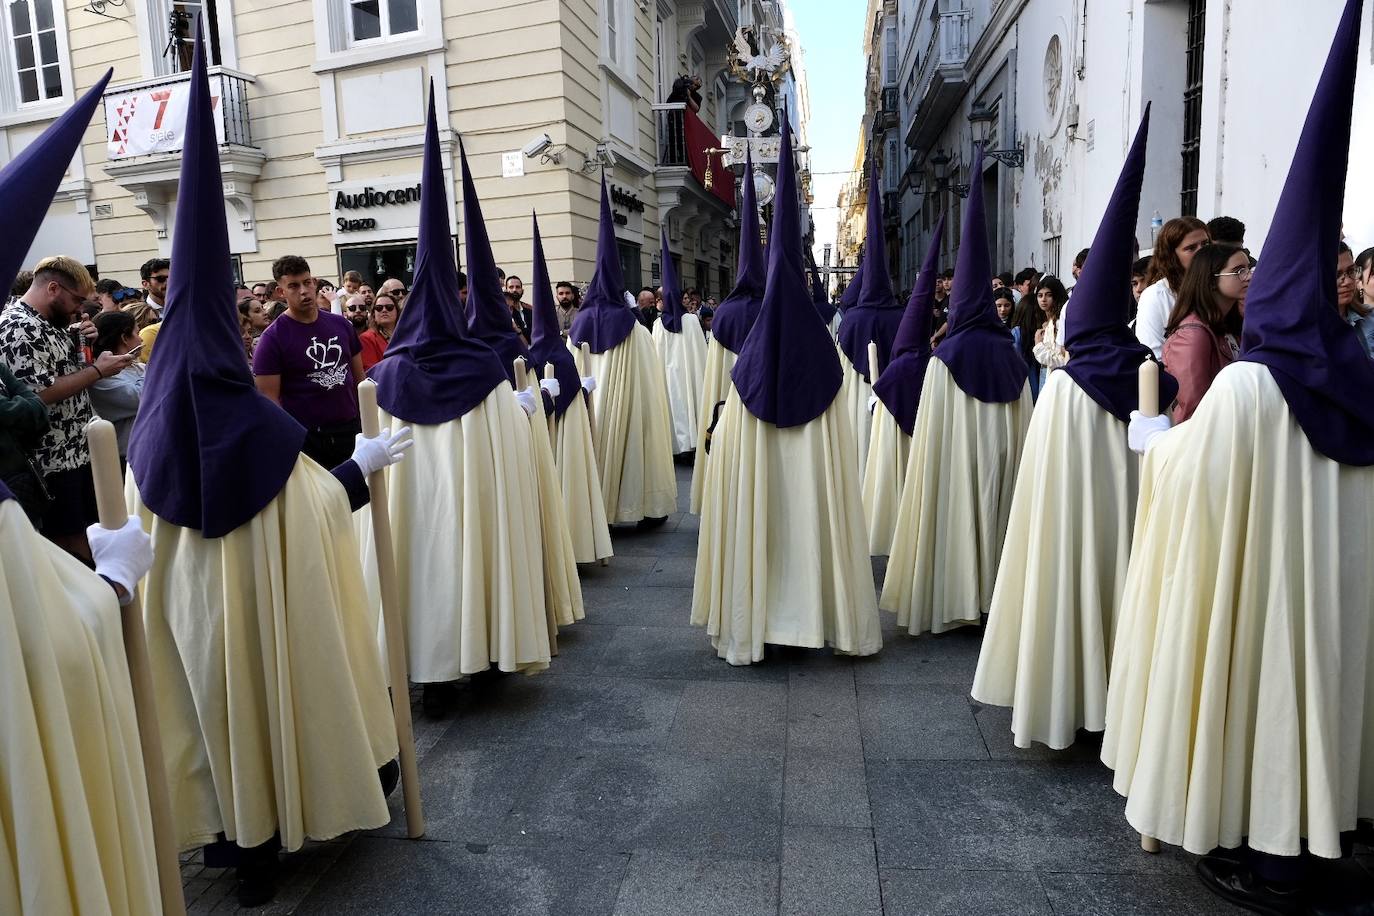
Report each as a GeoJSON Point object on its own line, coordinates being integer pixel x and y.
{"type": "Point", "coordinates": [123, 556]}
{"type": "Point", "coordinates": [1143, 431]}
{"type": "Point", "coordinates": [384, 450]}
{"type": "Point", "coordinates": [872, 402]}
{"type": "Point", "coordinates": [629, 300]}
{"type": "Point", "coordinates": [551, 386]}
{"type": "Point", "coordinates": [526, 401]}
{"type": "Point", "coordinates": [589, 383]}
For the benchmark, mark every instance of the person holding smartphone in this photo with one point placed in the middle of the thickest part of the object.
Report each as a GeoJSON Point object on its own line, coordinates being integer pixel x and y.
{"type": "Point", "coordinates": [115, 397]}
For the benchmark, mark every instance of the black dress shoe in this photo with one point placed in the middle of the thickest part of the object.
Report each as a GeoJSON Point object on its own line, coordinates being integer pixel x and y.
{"type": "Point", "coordinates": [1235, 882]}
{"type": "Point", "coordinates": [648, 524]}
{"type": "Point", "coordinates": [437, 699]}
{"type": "Point", "coordinates": [390, 774]}
{"type": "Point", "coordinates": [257, 881]}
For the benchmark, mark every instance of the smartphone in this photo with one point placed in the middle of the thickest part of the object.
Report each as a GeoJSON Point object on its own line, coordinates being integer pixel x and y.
{"type": "Point", "coordinates": [134, 351]}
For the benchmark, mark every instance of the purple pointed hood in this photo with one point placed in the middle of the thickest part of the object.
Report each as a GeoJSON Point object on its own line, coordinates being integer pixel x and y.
{"type": "Point", "coordinates": [672, 290]}
{"type": "Point", "coordinates": [1291, 322]}
{"type": "Point", "coordinates": [487, 313]}
{"type": "Point", "coordinates": [433, 371]}
{"type": "Point", "coordinates": [737, 313]}
{"type": "Point", "coordinates": [29, 182]}
{"type": "Point", "coordinates": [1105, 355]}
{"type": "Point", "coordinates": [604, 320]}
{"type": "Point", "coordinates": [201, 419]}
{"type": "Point", "coordinates": [824, 307]}
{"type": "Point", "coordinates": [546, 340]}
{"type": "Point", "coordinates": [876, 313]}
{"type": "Point", "coordinates": [788, 372]}
{"type": "Point", "coordinates": [978, 349]}
{"type": "Point", "coordinates": [899, 384]}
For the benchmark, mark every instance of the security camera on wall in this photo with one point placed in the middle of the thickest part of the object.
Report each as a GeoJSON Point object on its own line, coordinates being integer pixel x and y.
{"type": "Point", "coordinates": [538, 145]}
{"type": "Point", "coordinates": [605, 156]}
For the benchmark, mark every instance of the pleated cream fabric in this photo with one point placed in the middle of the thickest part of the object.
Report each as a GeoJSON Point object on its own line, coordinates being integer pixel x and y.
{"type": "Point", "coordinates": [633, 430]}
{"type": "Point", "coordinates": [715, 386]}
{"type": "Point", "coordinates": [855, 393]}
{"type": "Point", "coordinates": [575, 456]}
{"type": "Point", "coordinates": [466, 524]}
{"type": "Point", "coordinates": [271, 699]}
{"type": "Point", "coordinates": [562, 588]}
{"type": "Point", "coordinates": [782, 558]}
{"type": "Point", "coordinates": [684, 366]}
{"type": "Point", "coordinates": [75, 832]}
{"type": "Point", "coordinates": [1241, 701]}
{"type": "Point", "coordinates": [885, 473]}
{"type": "Point", "coordinates": [1063, 568]}
{"type": "Point", "coordinates": [954, 508]}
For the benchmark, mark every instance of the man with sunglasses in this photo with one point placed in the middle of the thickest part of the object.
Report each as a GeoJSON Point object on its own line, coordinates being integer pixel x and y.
{"type": "Point", "coordinates": [44, 350]}
{"type": "Point", "coordinates": [154, 274]}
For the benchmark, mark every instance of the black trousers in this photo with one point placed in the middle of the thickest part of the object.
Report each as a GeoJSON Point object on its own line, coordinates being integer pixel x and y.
{"type": "Point", "coordinates": [331, 445]}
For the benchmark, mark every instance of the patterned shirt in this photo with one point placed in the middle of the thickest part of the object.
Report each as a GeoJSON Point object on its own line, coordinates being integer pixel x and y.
{"type": "Point", "coordinates": [39, 353]}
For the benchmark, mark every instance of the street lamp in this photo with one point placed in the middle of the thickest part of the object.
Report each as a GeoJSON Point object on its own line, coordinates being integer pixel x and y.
{"type": "Point", "coordinates": [983, 120]}
{"type": "Point", "coordinates": [939, 163]}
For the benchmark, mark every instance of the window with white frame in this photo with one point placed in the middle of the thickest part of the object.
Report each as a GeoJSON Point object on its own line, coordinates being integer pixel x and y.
{"type": "Point", "coordinates": [892, 167]}
{"type": "Point", "coordinates": [379, 20]}
{"type": "Point", "coordinates": [890, 56]}
{"type": "Point", "coordinates": [35, 65]}
{"type": "Point", "coordinates": [617, 34]}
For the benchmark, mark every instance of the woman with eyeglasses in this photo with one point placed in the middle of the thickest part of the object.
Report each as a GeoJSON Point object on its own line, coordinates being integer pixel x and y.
{"type": "Point", "coordinates": [385, 313]}
{"type": "Point", "coordinates": [1202, 336]}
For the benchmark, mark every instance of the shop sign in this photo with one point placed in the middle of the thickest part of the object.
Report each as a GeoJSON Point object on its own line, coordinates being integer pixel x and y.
{"type": "Point", "coordinates": [367, 199]}
{"type": "Point", "coordinates": [377, 210]}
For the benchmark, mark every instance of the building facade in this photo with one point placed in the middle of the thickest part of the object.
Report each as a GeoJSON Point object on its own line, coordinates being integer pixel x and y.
{"type": "Point", "coordinates": [321, 104]}
{"type": "Point", "coordinates": [1058, 88]}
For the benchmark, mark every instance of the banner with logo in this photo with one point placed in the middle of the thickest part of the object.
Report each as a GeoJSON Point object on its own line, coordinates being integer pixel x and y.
{"type": "Point", "coordinates": [150, 120]}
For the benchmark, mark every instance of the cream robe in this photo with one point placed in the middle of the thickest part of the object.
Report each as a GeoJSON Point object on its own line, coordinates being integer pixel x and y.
{"type": "Point", "coordinates": [782, 557]}
{"type": "Point", "coordinates": [467, 529]}
{"type": "Point", "coordinates": [1063, 567]}
{"type": "Point", "coordinates": [854, 394]}
{"type": "Point", "coordinates": [953, 514]}
{"type": "Point", "coordinates": [885, 473]}
{"type": "Point", "coordinates": [684, 366]}
{"type": "Point", "coordinates": [562, 588]}
{"type": "Point", "coordinates": [715, 386]}
{"type": "Point", "coordinates": [75, 831]}
{"type": "Point", "coordinates": [1241, 701]}
{"type": "Point", "coordinates": [634, 439]}
{"type": "Point", "coordinates": [271, 699]}
{"type": "Point", "coordinates": [585, 508]}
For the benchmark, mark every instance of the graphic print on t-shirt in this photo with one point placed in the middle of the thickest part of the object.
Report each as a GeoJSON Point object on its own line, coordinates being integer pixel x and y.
{"type": "Point", "coordinates": [328, 358]}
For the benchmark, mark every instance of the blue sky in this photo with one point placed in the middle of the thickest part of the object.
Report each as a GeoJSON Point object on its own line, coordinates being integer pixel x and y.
{"type": "Point", "coordinates": [831, 34]}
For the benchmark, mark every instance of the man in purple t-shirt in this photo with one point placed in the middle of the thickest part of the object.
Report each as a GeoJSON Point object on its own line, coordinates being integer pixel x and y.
{"type": "Point", "coordinates": [310, 362]}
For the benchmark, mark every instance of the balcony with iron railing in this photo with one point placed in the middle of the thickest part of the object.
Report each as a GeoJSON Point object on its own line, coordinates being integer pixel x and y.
{"type": "Point", "coordinates": [886, 113]}
{"type": "Point", "coordinates": [940, 76]}
{"type": "Point", "coordinates": [145, 123]}
{"type": "Point", "coordinates": [683, 160]}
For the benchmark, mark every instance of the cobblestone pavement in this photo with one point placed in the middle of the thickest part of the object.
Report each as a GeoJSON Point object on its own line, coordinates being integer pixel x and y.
{"type": "Point", "coordinates": [642, 776]}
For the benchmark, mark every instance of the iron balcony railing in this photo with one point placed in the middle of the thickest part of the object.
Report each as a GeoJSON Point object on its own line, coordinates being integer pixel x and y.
{"type": "Point", "coordinates": [148, 117]}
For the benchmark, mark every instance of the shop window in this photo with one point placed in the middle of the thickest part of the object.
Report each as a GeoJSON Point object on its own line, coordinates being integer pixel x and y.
{"type": "Point", "coordinates": [631, 268]}
{"type": "Point", "coordinates": [378, 263]}
{"type": "Point", "coordinates": [36, 68]}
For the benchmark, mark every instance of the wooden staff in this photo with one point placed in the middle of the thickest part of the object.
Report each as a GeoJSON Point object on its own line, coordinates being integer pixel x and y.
{"type": "Point", "coordinates": [522, 382]}
{"type": "Point", "coordinates": [1149, 407]}
{"type": "Point", "coordinates": [872, 362]}
{"type": "Point", "coordinates": [109, 498]}
{"type": "Point", "coordinates": [392, 620]}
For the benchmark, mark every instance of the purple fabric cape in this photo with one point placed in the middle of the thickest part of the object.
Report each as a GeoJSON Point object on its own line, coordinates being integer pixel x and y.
{"type": "Point", "coordinates": [1104, 354]}
{"type": "Point", "coordinates": [1291, 323]}
{"type": "Point", "coordinates": [736, 314]}
{"type": "Point", "coordinates": [201, 420]}
{"type": "Point", "coordinates": [487, 313]}
{"type": "Point", "coordinates": [433, 372]}
{"type": "Point", "coordinates": [788, 372]}
{"type": "Point", "coordinates": [546, 340]}
{"type": "Point", "coordinates": [672, 290]}
{"type": "Point", "coordinates": [876, 313]}
{"type": "Point", "coordinates": [899, 384]}
{"type": "Point", "coordinates": [604, 320]}
{"type": "Point", "coordinates": [978, 349]}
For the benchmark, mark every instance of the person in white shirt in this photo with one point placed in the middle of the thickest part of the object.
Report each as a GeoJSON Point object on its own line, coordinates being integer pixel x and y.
{"type": "Point", "coordinates": [1175, 246]}
{"type": "Point", "coordinates": [1049, 349]}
